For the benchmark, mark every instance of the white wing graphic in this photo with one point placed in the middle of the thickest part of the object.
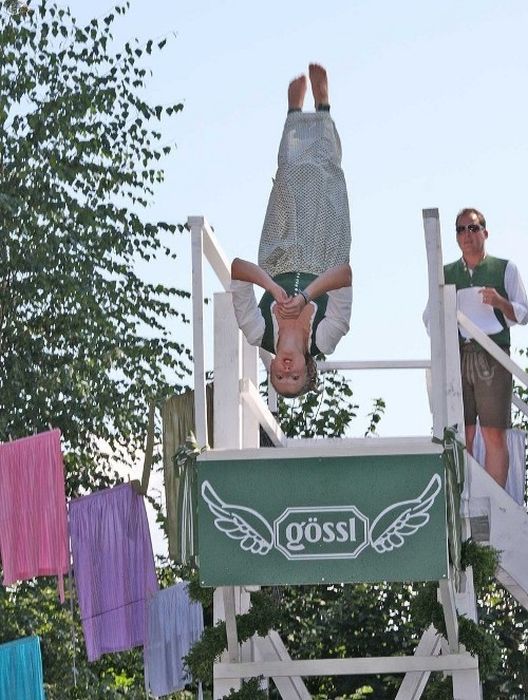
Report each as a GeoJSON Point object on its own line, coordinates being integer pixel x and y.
{"type": "Point", "coordinates": [239, 523]}
{"type": "Point", "coordinates": [403, 519]}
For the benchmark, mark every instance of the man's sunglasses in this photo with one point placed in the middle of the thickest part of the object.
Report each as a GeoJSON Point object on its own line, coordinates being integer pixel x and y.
{"type": "Point", "coordinates": [472, 228]}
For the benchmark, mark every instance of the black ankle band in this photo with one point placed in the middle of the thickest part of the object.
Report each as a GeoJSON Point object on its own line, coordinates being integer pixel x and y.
{"type": "Point", "coordinates": [323, 108]}
{"type": "Point", "coordinates": [294, 109]}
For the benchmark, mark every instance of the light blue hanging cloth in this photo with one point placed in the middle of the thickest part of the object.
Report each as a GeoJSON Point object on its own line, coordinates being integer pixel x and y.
{"type": "Point", "coordinates": [21, 670]}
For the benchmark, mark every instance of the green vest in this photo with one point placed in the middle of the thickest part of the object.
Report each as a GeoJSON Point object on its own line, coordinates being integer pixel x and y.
{"type": "Point", "coordinates": [291, 282]}
{"type": "Point", "coordinates": [488, 273]}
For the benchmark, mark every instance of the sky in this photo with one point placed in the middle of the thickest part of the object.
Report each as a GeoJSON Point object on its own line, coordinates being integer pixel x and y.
{"type": "Point", "coordinates": [431, 105]}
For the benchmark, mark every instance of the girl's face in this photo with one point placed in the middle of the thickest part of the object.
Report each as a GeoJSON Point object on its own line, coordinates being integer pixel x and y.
{"type": "Point", "coordinates": [288, 373]}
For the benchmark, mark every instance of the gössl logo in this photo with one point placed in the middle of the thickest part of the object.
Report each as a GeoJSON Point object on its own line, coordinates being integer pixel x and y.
{"type": "Point", "coordinates": [325, 532]}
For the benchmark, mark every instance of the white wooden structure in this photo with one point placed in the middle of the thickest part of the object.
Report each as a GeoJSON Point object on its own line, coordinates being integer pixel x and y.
{"type": "Point", "coordinates": [238, 412]}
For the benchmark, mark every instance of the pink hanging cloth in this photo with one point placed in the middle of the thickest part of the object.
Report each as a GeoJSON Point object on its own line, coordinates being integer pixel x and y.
{"type": "Point", "coordinates": [33, 526]}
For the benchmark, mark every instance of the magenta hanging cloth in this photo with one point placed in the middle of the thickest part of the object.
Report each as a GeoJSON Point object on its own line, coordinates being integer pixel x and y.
{"type": "Point", "coordinates": [113, 566]}
{"type": "Point", "coordinates": [33, 526]}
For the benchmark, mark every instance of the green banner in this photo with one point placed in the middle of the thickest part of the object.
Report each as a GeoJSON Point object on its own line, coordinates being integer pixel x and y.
{"type": "Point", "coordinates": [322, 520]}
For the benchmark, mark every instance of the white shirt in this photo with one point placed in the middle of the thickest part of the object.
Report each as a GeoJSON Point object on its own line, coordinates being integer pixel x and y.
{"type": "Point", "coordinates": [334, 325]}
{"type": "Point", "coordinates": [516, 296]}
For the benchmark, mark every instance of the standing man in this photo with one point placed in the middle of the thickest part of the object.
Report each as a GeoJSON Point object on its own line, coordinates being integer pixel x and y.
{"type": "Point", "coordinates": [490, 292]}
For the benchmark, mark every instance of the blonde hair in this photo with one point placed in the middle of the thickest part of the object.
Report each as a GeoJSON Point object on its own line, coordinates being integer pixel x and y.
{"type": "Point", "coordinates": [309, 385]}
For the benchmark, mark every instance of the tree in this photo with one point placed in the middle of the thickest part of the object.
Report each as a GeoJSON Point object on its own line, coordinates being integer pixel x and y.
{"type": "Point", "coordinates": [85, 342]}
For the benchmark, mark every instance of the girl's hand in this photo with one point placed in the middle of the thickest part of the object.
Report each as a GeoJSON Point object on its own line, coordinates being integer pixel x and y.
{"type": "Point", "coordinates": [292, 307]}
{"type": "Point", "coordinates": [279, 294]}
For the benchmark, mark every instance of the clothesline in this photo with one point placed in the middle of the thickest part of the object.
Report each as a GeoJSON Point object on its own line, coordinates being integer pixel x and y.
{"type": "Point", "coordinates": [111, 547]}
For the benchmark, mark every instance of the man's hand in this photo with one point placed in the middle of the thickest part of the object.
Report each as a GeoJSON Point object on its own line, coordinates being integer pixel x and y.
{"type": "Point", "coordinates": [292, 307]}
{"type": "Point", "coordinates": [491, 296]}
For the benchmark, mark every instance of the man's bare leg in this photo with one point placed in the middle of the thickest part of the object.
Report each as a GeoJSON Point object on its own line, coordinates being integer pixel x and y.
{"type": "Point", "coordinates": [470, 437]}
{"type": "Point", "coordinates": [296, 92]}
{"type": "Point", "coordinates": [319, 81]}
{"type": "Point", "coordinates": [497, 457]}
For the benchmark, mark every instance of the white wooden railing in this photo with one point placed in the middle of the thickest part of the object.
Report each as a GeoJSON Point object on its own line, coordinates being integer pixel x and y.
{"type": "Point", "coordinates": [239, 411]}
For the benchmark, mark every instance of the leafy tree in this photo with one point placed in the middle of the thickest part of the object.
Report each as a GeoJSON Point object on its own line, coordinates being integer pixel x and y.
{"type": "Point", "coordinates": [325, 413]}
{"type": "Point", "coordinates": [85, 342]}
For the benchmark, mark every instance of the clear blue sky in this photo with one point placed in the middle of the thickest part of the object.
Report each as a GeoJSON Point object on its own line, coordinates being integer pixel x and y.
{"type": "Point", "coordinates": [431, 103]}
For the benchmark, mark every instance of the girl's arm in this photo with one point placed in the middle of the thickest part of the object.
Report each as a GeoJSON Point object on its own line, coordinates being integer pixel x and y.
{"type": "Point", "coordinates": [246, 271]}
{"type": "Point", "coordinates": [334, 278]}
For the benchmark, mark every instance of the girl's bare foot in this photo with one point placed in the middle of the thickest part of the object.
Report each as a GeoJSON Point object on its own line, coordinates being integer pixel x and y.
{"type": "Point", "coordinates": [319, 81]}
{"type": "Point", "coordinates": [296, 92]}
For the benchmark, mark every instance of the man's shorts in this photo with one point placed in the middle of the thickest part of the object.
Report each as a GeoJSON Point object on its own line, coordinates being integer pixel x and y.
{"type": "Point", "coordinates": [486, 388]}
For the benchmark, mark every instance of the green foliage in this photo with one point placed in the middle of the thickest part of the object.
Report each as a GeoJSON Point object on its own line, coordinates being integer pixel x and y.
{"type": "Point", "coordinates": [507, 622]}
{"type": "Point", "coordinates": [33, 608]}
{"type": "Point", "coordinates": [325, 413]}
{"type": "Point", "coordinates": [483, 559]}
{"type": "Point", "coordinates": [250, 690]}
{"type": "Point", "coordinates": [375, 416]}
{"type": "Point", "coordinates": [477, 638]}
{"type": "Point", "coordinates": [84, 341]}
{"type": "Point", "coordinates": [263, 615]}
{"type": "Point", "coordinates": [348, 620]}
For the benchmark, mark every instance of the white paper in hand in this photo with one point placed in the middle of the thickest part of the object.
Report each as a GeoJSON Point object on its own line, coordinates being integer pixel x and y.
{"type": "Point", "coordinates": [469, 301]}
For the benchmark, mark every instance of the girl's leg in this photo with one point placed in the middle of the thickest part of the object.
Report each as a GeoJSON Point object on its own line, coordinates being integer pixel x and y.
{"type": "Point", "coordinates": [319, 81]}
{"type": "Point", "coordinates": [296, 92]}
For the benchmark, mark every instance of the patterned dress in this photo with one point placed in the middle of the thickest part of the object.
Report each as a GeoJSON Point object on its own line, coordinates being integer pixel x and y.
{"type": "Point", "coordinates": [307, 223]}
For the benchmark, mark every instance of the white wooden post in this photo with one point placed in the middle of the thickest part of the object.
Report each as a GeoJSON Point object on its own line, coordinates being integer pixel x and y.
{"type": "Point", "coordinates": [414, 683]}
{"type": "Point", "coordinates": [448, 411]}
{"type": "Point", "coordinates": [227, 432]}
{"type": "Point", "coordinates": [250, 437]}
{"type": "Point", "coordinates": [196, 224]}
{"type": "Point", "coordinates": [237, 414]}
{"type": "Point", "coordinates": [227, 372]}
{"type": "Point", "coordinates": [433, 246]}
{"type": "Point", "coordinates": [453, 385]}
{"type": "Point", "coordinates": [250, 424]}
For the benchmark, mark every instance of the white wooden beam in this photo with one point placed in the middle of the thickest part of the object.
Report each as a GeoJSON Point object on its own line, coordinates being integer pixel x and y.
{"type": "Point", "coordinates": [227, 372]}
{"type": "Point", "coordinates": [200, 401]}
{"type": "Point", "coordinates": [433, 246]}
{"type": "Point", "coordinates": [271, 648]}
{"type": "Point", "coordinates": [332, 447]}
{"type": "Point", "coordinates": [273, 402]}
{"type": "Point", "coordinates": [211, 249]}
{"type": "Point", "coordinates": [414, 682]}
{"type": "Point", "coordinates": [348, 667]}
{"type": "Point", "coordinates": [491, 347]}
{"type": "Point", "coordinates": [233, 648]}
{"type": "Point", "coordinates": [508, 533]}
{"type": "Point", "coordinates": [250, 421]}
{"type": "Point", "coordinates": [466, 684]}
{"type": "Point", "coordinates": [520, 404]}
{"type": "Point", "coordinates": [252, 399]}
{"type": "Point", "coordinates": [327, 366]}
{"type": "Point", "coordinates": [447, 599]}
{"type": "Point", "coordinates": [227, 434]}
{"type": "Point", "coordinates": [221, 686]}
{"type": "Point", "coordinates": [453, 381]}
{"type": "Point", "coordinates": [466, 601]}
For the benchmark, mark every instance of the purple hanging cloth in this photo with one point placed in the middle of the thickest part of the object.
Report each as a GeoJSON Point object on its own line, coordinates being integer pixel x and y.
{"type": "Point", "coordinates": [174, 624]}
{"type": "Point", "coordinates": [113, 568]}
